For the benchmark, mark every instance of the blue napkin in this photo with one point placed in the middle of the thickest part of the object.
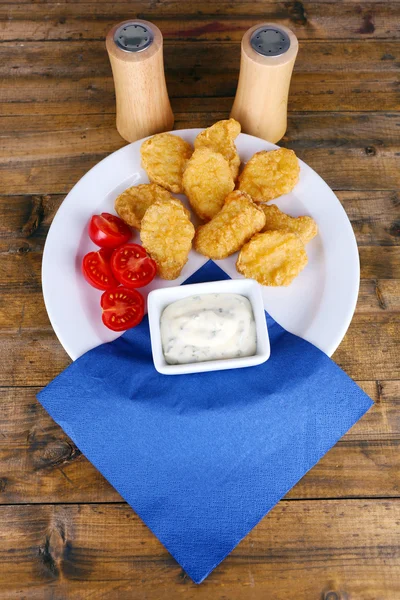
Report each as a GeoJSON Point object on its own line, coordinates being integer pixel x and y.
{"type": "Point", "coordinates": [201, 458]}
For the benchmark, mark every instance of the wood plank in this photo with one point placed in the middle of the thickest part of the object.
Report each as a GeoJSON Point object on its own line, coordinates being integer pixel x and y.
{"type": "Point", "coordinates": [351, 151]}
{"type": "Point", "coordinates": [373, 215]}
{"type": "Point", "coordinates": [22, 418]}
{"type": "Point", "coordinates": [378, 295]}
{"type": "Point", "coordinates": [31, 359]}
{"type": "Point", "coordinates": [27, 216]}
{"type": "Point", "coordinates": [353, 168]}
{"type": "Point", "coordinates": [342, 168]}
{"type": "Point", "coordinates": [352, 470]}
{"type": "Point", "coordinates": [380, 262]}
{"type": "Point", "coordinates": [96, 96]}
{"type": "Point", "coordinates": [20, 264]}
{"type": "Point", "coordinates": [39, 463]}
{"type": "Point", "coordinates": [371, 345]}
{"type": "Point", "coordinates": [20, 268]}
{"type": "Point", "coordinates": [201, 20]}
{"type": "Point", "coordinates": [195, 8]}
{"type": "Point", "coordinates": [305, 131]}
{"type": "Point", "coordinates": [22, 308]}
{"type": "Point", "coordinates": [369, 350]}
{"type": "Point", "coordinates": [48, 77]}
{"type": "Point", "coordinates": [81, 58]}
{"type": "Point", "coordinates": [382, 421]}
{"type": "Point", "coordinates": [333, 550]}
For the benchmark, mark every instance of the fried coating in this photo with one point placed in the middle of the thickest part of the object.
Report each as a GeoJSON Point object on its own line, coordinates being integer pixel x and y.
{"type": "Point", "coordinates": [269, 175]}
{"type": "Point", "coordinates": [166, 233]}
{"type": "Point", "coordinates": [164, 158]}
{"type": "Point", "coordinates": [272, 258]}
{"type": "Point", "coordinates": [207, 181]}
{"type": "Point", "coordinates": [133, 202]}
{"type": "Point", "coordinates": [220, 138]}
{"type": "Point", "coordinates": [276, 220]}
{"type": "Point", "coordinates": [237, 221]}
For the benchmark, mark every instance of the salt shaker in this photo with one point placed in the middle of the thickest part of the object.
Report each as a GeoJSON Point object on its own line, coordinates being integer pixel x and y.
{"type": "Point", "coordinates": [135, 49]}
{"type": "Point", "coordinates": [267, 59]}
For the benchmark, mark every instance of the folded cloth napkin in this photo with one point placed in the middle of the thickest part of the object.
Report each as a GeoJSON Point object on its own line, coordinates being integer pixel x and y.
{"type": "Point", "coordinates": [201, 458]}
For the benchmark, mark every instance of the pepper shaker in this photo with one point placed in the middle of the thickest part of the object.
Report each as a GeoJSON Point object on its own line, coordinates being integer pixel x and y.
{"type": "Point", "coordinates": [135, 49]}
{"type": "Point", "coordinates": [268, 53]}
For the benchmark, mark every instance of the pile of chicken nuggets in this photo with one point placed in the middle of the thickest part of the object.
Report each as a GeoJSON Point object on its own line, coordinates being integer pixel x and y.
{"type": "Point", "coordinates": [232, 205]}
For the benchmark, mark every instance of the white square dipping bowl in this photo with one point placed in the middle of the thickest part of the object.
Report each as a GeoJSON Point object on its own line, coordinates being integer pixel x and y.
{"type": "Point", "coordinates": [159, 299]}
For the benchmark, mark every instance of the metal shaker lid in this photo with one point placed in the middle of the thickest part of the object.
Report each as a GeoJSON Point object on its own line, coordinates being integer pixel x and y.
{"type": "Point", "coordinates": [270, 41]}
{"type": "Point", "coordinates": [133, 37]}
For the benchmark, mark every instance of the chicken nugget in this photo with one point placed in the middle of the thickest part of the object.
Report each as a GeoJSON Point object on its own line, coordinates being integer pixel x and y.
{"type": "Point", "coordinates": [276, 220]}
{"type": "Point", "coordinates": [272, 258]}
{"type": "Point", "coordinates": [220, 138]}
{"type": "Point", "coordinates": [207, 181]}
{"type": "Point", "coordinates": [164, 158]}
{"type": "Point", "coordinates": [269, 175]}
{"type": "Point", "coordinates": [133, 202]}
{"type": "Point", "coordinates": [166, 233]}
{"type": "Point", "coordinates": [237, 221]}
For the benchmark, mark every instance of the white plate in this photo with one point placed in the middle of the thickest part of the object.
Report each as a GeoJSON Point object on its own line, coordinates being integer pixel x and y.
{"type": "Point", "coordinates": [318, 305]}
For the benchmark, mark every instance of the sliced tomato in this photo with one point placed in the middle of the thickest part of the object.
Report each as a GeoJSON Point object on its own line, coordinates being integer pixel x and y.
{"type": "Point", "coordinates": [132, 266]}
{"type": "Point", "coordinates": [108, 231]}
{"type": "Point", "coordinates": [122, 308]}
{"type": "Point", "coordinates": [97, 270]}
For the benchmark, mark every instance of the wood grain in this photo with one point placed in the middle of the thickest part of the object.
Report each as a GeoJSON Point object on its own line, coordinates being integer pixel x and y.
{"type": "Point", "coordinates": [369, 350]}
{"type": "Point", "coordinates": [372, 214]}
{"type": "Point", "coordinates": [382, 294]}
{"type": "Point", "coordinates": [351, 151]}
{"type": "Point", "coordinates": [20, 265]}
{"type": "Point", "coordinates": [371, 345]}
{"type": "Point", "coordinates": [23, 310]}
{"type": "Point", "coordinates": [96, 551]}
{"type": "Point", "coordinates": [80, 58]}
{"type": "Point", "coordinates": [39, 463]}
{"type": "Point", "coordinates": [78, 79]}
{"type": "Point", "coordinates": [202, 20]}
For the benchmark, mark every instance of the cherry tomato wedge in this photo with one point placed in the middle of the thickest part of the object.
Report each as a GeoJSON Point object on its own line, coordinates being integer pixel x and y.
{"type": "Point", "coordinates": [108, 231]}
{"type": "Point", "coordinates": [132, 266]}
{"type": "Point", "coordinates": [97, 270]}
{"type": "Point", "coordinates": [122, 308]}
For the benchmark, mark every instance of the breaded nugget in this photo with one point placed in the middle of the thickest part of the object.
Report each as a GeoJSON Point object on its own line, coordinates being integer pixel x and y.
{"type": "Point", "coordinates": [276, 220]}
{"type": "Point", "coordinates": [133, 202]}
{"type": "Point", "coordinates": [166, 233]}
{"type": "Point", "coordinates": [269, 175]}
{"type": "Point", "coordinates": [220, 138]}
{"type": "Point", "coordinates": [207, 181]}
{"type": "Point", "coordinates": [232, 227]}
{"type": "Point", "coordinates": [272, 258]}
{"type": "Point", "coordinates": [164, 158]}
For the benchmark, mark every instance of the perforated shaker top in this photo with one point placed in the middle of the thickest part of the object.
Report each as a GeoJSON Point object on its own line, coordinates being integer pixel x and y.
{"type": "Point", "coordinates": [270, 41]}
{"type": "Point", "coordinates": [133, 37]}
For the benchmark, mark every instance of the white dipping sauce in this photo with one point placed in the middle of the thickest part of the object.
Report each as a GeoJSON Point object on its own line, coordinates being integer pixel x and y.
{"type": "Point", "coordinates": [208, 327]}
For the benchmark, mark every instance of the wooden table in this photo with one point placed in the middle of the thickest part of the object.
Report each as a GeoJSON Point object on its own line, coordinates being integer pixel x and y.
{"type": "Point", "coordinates": [65, 534]}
